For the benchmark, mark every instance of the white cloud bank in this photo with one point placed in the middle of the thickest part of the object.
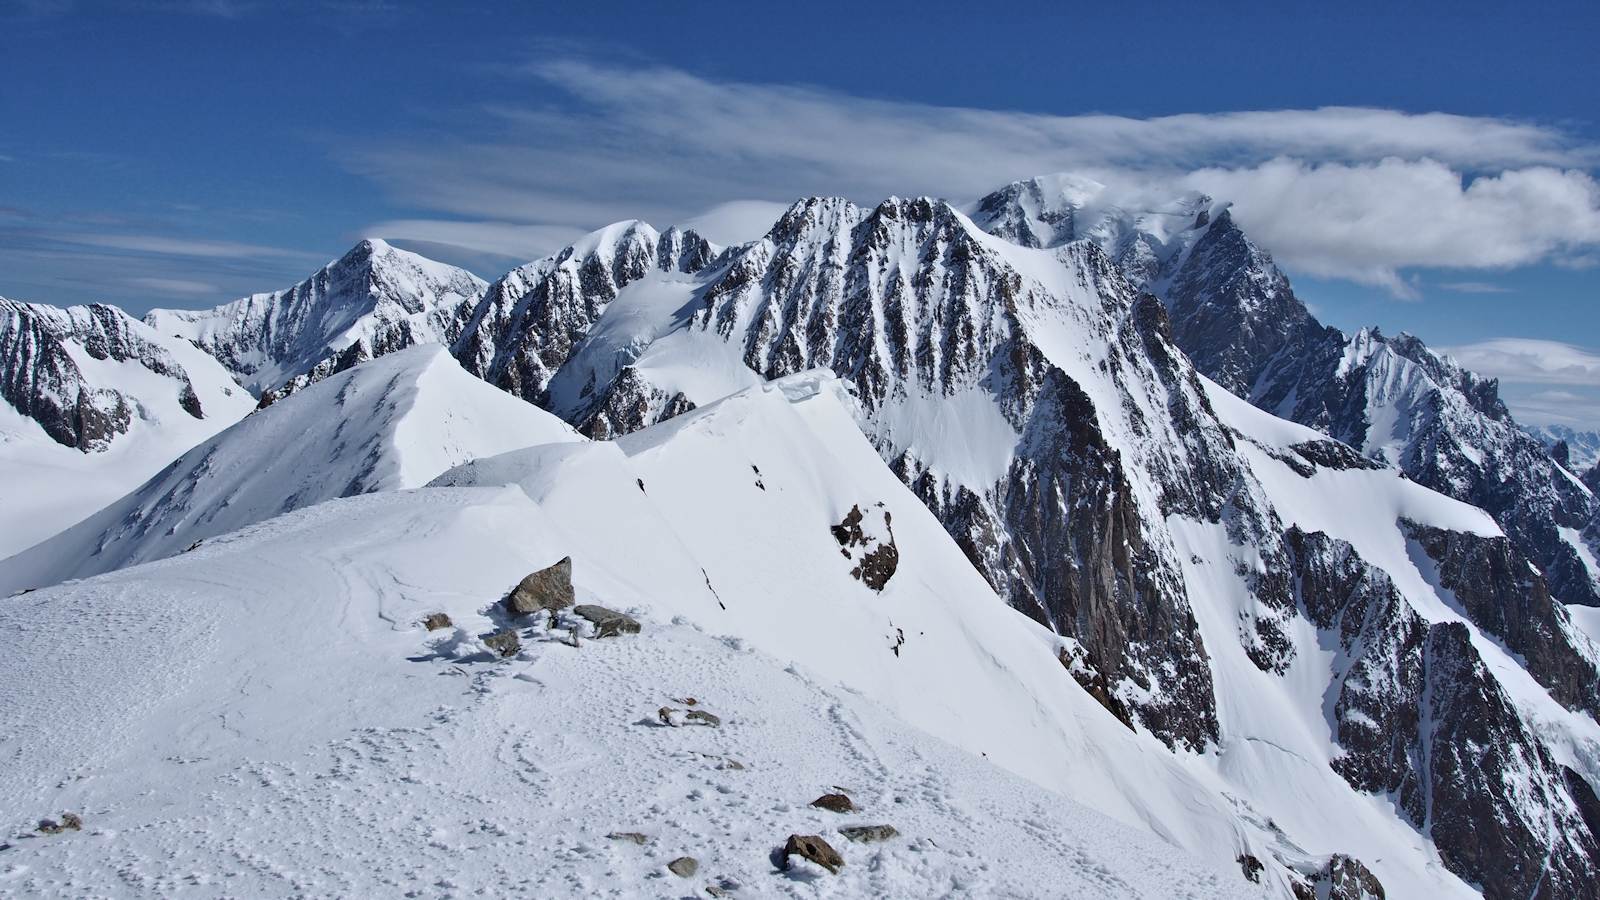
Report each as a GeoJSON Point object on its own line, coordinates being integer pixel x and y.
{"type": "Point", "coordinates": [1544, 382]}
{"type": "Point", "coordinates": [1354, 193]}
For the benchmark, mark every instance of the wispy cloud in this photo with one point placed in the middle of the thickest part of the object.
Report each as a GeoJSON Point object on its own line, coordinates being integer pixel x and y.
{"type": "Point", "coordinates": [1353, 193]}
{"type": "Point", "coordinates": [183, 286]}
{"type": "Point", "coordinates": [173, 246]}
{"type": "Point", "coordinates": [1474, 287]}
{"type": "Point", "coordinates": [1530, 361]}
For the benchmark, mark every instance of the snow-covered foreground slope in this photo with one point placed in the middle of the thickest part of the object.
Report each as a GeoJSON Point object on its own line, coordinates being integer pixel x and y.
{"type": "Point", "coordinates": [264, 715]}
{"type": "Point", "coordinates": [92, 403]}
{"type": "Point", "coordinates": [392, 423]}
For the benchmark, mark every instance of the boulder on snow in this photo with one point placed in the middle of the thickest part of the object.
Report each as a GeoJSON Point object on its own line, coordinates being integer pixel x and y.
{"type": "Point", "coordinates": [549, 588]}
{"type": "Point", "coordinates": [607, 622]}
{"type": "Point", "coordinates": [69, 822]}
{"type": "Point", "coordinates": [838, 803]}
{"type": "Point", "coordinates": [436, 621]}
{"type": "Point", "coordinates": [632, 837]}
{"type": "Point", "coordinates": [813, 848]}
{"type": "Point", "coordinates": [684, 866]}
{"type": "Point", "coordinates": [504, 642]}
{"type": "Point", "coordinates": [1251, 866]}
{"type": "Point", "coordinates": [869, 834]}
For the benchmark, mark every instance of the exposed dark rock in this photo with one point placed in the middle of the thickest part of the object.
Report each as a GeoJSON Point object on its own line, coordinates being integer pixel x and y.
{"type": "Point", "coordinates": [39, 378]}
{"type": "Point", "coordinates": [1091, 678]}
{"type": "Point", "coordinates": [1348, 879]}
{"type": "Point", "coordinates": [684, 866]}
{"type": "Point", "coordinates": [505, 642]}
{"type": "Point", "coordinates": [813, 848]}
{"type": "Point", "coordinates": [632, 837]}
{"type": "Point", "coordinates": [436, 621]}
{"type": "Point", "coordinates": [549, 588]}
{"type": "Point", "coordinates": [607, 622]}
{"type": "Point", "coordinates": [1251, 866]}
{"type": "Point", "coordinates": [874, 554]}
{"type": "Point", "coordinates": [838, 803]}
{"type": "Point", "coordinates": [1502, 593]}
{"type": "Point", "coordinates": [1333, 455]}
{"type": "Point", "coordinates": [869, 834]}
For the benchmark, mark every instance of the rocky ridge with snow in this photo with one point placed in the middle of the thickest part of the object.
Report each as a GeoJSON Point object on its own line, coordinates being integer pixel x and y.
{"type": "Point", "coordinates": [1273, 606]}
{"type": "Point", "coordinates": [1236, 316]}
{"type": "Point", "coordinates": [376, 296]}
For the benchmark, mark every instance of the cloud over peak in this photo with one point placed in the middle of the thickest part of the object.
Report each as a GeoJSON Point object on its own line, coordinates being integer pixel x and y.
{"type": "Point", "coordinates": [1356, 193]}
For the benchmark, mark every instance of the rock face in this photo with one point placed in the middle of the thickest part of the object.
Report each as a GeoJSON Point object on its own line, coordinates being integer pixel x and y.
{"type": "Point", "coordinates": [41, 378]}
{"type": "Point", "coordinates": [548, 589]}
{"type": "Point", "coordinates": [376, 296]}
{"type": "Point", "coordinates": [1235, 315]}
{"type": "Point", "coordinates": [528, 322]}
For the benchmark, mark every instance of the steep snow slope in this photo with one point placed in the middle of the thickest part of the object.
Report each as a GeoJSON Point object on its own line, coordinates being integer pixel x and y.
{"type": "Point", "coordinates": [388, 424]}
{"type": "Point", "coordinates": [92, 403]}
{"type": "Point", "coordinates": [264, 715]}
{"type": "Point", "coordinates": [376, 296]}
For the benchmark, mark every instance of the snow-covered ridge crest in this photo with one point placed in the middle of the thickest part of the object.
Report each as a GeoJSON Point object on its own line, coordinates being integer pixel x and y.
{"type": "Point", "coordinates": [376, 295]}
{"type": "Point", "coordinates": [389, 424]}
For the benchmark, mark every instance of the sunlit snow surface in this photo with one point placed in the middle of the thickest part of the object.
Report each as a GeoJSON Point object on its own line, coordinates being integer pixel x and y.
{"type": "Point", "coordinates": [264, 715]}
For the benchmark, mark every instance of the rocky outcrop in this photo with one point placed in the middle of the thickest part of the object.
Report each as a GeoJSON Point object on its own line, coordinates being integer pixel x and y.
{"type": "Point", "coordinates": [41, 378]}
{"type": "Point", "coordinates": [867, 541]}
{"type": "Point", "coordinates": [1500, 592]}
{"type": "Point", "coordinates": [528, 322]}
{"type": "Point", "coordinates": [606, 622]}
{"type": "Point", "coordinates": [1420, 719]}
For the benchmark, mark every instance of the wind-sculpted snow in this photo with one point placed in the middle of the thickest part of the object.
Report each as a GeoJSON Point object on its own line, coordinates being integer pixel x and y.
{"type": "Point", "coordinates": [91, 403]}
{"type": "Point", "coordinates": [375, 295]}
{"type": "Point", "coordinates": [266, 715]}
{"type": "Point", "coordinates": [393, 423]}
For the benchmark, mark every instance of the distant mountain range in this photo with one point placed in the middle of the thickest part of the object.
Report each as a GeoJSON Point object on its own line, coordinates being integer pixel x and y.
{"type": "Point", "coordinates": [1314, 590]}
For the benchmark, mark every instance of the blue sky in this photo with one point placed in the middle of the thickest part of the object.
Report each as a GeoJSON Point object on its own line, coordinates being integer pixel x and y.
{"type": "Point", "coordinates": [183, 153]}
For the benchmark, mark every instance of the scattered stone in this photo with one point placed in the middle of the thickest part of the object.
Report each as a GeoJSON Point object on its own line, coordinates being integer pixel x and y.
{"type": "Point", "coordinates": [869, 834]}
{"type": "Point", "coordinates": [716, 891]}
{"type": "Point", "coordinates": [813, 848]}
{"type": "Point", "coordinates": [684, 866]}
{"type": "Point", "coordinates": [49, 826]}
{"type": "Point", "coordinates": [670, 716]}
{"type": "Point", "coordinates": [703, 717]}
{"type": "Point", "coordinates": [549, 589]}
{"type": "Point", "coordinates": [504, 642]}
{"type": "Point", "coordinates": [1252, 867]}
{"type": "Point", "coordinates": [436, 621]}
{"type": "Point", "coordinates": [686, 701]}
{"type": "Point", "coordinates": [730, 763]}
{"type": "Point", "coordinates": [71, 820]}
{"type": "Point", "coordinates": [838, 803]}
{"type": "Point", "coordinates": [607, 622]}
{"type": "Point", "coordinates": [631, 836]}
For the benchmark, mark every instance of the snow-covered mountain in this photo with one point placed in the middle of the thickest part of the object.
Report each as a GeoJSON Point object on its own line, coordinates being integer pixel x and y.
{"type": "Point", "coordinates": [1235, 315]}
{"type": "Point", "coordinates": [373, 300]}
{"type": "Point", "coordinates": [391, 424]}
{"type": "Point", "coordinates": [868, 440]}
{"type": "Point", "coordinates": [1583, 447]}
{"type": "Point", "coordinates": [92, 402]}
{"type": "Point", "coordinates": [1036, 402]}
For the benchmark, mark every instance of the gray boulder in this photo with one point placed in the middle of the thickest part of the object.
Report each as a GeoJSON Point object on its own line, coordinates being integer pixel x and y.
{"type": "Point", "coordinates": [812, 847]}
{"type": "Point", "coordinates": [607, 622]}
{"type": "Point", "coordinates": [547, 589]}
